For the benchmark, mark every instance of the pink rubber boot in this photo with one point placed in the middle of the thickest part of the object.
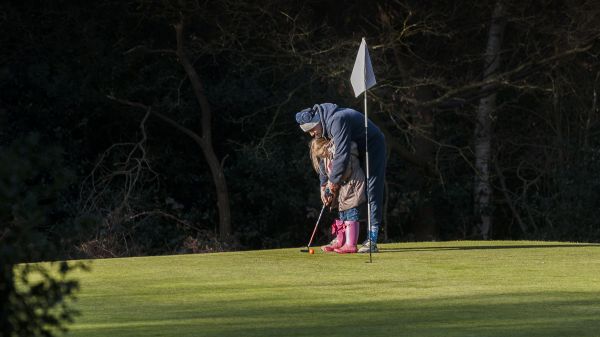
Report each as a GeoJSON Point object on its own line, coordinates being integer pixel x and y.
{"type": "Point", "coordinates": [337, 229]}
{"type": "Point", "coordinates": [351, 238]}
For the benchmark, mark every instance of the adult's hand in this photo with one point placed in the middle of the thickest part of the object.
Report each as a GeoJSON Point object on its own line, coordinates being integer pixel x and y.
{"type": "Point", "coordinates": [333, 188]}
{"type": "Point", "coordinates": [324, 195]}
{"type": "Point", "coordinates": [331, 191]}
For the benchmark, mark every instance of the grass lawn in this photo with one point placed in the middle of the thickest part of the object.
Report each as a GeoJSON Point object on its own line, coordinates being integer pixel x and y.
{"type": "Point", "coordinates": [467, 288]}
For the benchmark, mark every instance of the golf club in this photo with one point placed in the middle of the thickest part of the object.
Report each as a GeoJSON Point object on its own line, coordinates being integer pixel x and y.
{"type": "Point", "coordinates": [314, 231]}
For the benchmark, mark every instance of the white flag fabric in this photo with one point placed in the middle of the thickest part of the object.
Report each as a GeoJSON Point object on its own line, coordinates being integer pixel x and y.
{"type": "Point", "coordinates": [362, 77]}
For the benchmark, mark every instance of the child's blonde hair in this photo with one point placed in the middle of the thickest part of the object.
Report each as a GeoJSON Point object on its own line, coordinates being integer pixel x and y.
{"type": "Point", "coordinates": [319, 149]}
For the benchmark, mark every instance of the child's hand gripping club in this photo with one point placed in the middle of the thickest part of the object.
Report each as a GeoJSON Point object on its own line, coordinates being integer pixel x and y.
{"type": "Point", "coordinates": [329, 194]}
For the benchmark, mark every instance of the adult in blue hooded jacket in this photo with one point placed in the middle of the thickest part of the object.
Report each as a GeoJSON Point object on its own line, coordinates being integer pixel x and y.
{"type": "Point", "coordinates": [343, 126]}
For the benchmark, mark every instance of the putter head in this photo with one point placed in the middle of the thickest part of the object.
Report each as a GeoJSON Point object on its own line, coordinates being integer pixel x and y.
{"type": "Point", "coordinates": [304, 250]}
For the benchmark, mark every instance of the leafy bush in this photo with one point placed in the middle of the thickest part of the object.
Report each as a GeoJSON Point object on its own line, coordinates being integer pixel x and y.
{"type": "Point", "coordinates": [34, 298]}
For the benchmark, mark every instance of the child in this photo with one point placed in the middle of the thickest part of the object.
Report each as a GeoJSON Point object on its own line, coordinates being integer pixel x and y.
{"type": "Point", "coordinates": [350, 195]}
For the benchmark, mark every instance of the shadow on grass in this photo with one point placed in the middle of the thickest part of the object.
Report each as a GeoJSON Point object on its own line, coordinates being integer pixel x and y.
{"type": "Point", "coordinates": [483, 247]}
{"type": "Point", "coordinates": [523, 314]}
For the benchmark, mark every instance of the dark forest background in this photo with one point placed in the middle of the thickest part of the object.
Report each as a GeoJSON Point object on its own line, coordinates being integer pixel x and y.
{"type": "Point", "coordinates": [159, 127]}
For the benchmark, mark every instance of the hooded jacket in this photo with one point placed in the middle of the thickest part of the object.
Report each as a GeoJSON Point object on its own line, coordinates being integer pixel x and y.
{"type": "Point", "coordinates": [344, 126]}
{"type": "Point", "coordinates": [352, 191]}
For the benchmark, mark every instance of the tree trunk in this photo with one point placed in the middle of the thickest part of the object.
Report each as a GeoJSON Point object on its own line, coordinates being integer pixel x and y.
{"type": "Point", "coordinates": [483, 128]}
{"type": "Point", "coordinates": [216, 170]}
{"type": "Point", "coordinates": [205, 141]}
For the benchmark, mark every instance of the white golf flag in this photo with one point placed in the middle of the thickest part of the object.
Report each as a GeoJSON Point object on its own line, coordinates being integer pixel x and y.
{"type": "Point", "coordinates": [362, 77]}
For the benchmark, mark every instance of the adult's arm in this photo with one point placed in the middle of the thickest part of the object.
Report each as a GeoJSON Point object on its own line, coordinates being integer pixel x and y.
{"type": "Point", "coordinates": [322, 176]}
{"type": "Point", "coordinates": [323, 179]}
{"type": "Point", "coordinates": [340, 132]}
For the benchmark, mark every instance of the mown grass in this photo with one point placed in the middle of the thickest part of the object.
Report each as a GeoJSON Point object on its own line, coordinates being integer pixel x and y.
{"type": "Point", "coordinates": [411, 289]}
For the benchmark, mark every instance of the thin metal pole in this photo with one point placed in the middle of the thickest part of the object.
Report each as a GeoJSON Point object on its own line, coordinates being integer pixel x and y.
{"type": "Point", "coordinates": [316, 225]}
{"type": "Point", "coordinates": [367, 173]}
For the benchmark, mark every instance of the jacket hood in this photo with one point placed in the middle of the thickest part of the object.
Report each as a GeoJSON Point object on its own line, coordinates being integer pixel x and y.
{"type": "Point", "coordinates": [325, 111]}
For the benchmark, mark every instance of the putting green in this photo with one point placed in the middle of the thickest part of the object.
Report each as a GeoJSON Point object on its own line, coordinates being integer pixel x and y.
{"type": "Point", "coordinates": [468, 288]}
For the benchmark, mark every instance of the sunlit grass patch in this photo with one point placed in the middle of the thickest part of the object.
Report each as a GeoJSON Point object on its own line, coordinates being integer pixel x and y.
{"type": "Point", "coordinates": [411, 289]}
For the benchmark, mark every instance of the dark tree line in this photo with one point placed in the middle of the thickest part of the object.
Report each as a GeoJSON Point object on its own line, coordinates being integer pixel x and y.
{"type": "Point", "coordinates": [151, 127]}
{"type": "Point", "coordinates": [176, 117]}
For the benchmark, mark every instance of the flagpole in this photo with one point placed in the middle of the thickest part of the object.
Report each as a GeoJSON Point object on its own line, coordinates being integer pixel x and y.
{"type": "Point", "coordinates": [367, 162]}
{"type": "Point", "coordinates": [367, 182]}
{"type": "Point", "coordinates": [362, 79]}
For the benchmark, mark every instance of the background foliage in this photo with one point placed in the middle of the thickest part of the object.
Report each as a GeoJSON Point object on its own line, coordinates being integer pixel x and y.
{"type": "Point", "coordinates": [37, 225]}
{"type": "Point", "coordinates": [65, 65]}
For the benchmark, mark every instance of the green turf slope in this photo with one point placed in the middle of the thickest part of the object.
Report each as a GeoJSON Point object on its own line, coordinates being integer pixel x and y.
{"type": "Point", "coordinates": [436, 289]}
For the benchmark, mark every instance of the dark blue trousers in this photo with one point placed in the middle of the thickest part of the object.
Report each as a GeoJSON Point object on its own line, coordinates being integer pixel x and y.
{"type": "Point", "coordinates": [375, 183]}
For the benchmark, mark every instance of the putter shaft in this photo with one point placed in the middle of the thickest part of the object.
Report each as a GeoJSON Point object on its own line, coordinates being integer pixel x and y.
{"type": "Point", "coordinates": [315, 229]}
